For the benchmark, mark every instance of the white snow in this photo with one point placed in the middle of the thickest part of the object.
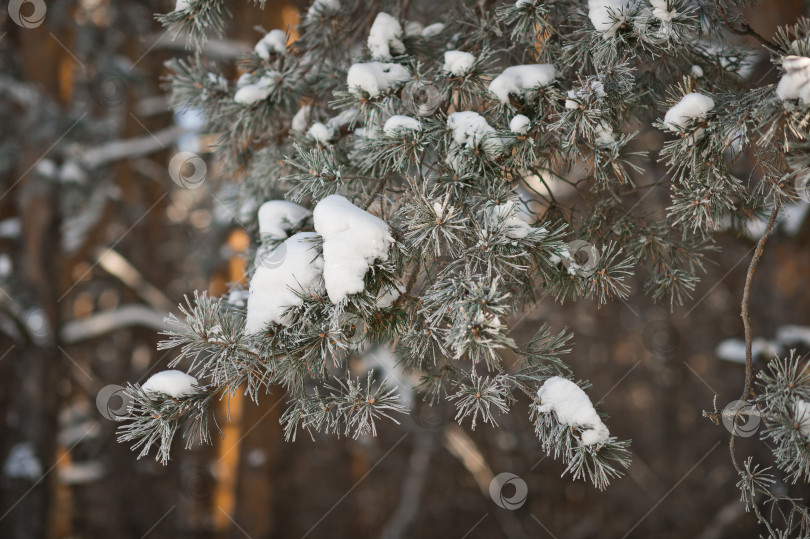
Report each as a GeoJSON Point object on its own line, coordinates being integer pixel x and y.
{"type": "Point", "coordinates": [321, 133]}
{"type": "Point", "coordinates": [322, 7]}
{"type": "Point", "coordinates": [472, 130]}
{"type": "Point", "coordinates": [385, 37]}
{"type": "Point", "coordinates": [301, 119]}
{"type": "Point", "coordinates": [793, 334]}
{"type": "Point", "coordinates": [295, 267]}
{"type": "Point", "coordinates": [604, 134]}
{"type": "Point", "coordinates": [277, 217]}
{"type": "Point", "coordinates": [661, 11]}
{"type": "Point", "coordinates": [690, 107]}
{"type": "Point", "coordinates": [182, 5]}
{"type": "Point", "coordinates": [172, 383]}
{"type": "Point", "coordinates": [352, 240]}
{"type": "Point", "coordinates": [413, 28]}
{"type": "Point", "coordinates": [696, 71]}
{"type": "Point", "coordinates": [248, 93]}
{"type": "Point", "coordinates": [802, 415]}
{"type": "Point", "coordinates": [386, 298]}
{"type": "Point", "coordinates": [6, 266]}
{"type": "Point", "coordinates": [795, 83]}
{"type": "Point", "coordinates": [514, 218]}
{"type": "Point", "coordinates": [22, 462]}
{"type": "Point", "coordinates": [433, 30]}
{"type": "Point", "coordinates": [458, 63]}
{"type": "Point", "coordinates": [733, 350]}
{"type": "Point", "coordinates": [275, 41]}
{"type": "Point", "coordinates": [519, 124]}
{"type": "Point", "coordinates": [400, 123]}
{"type": "Point", "coordinates": [596, 87]}
{"type": "Point", "coordinates": [376, 77]}
{"type": "Point", "coordinates": [572, 407]}
{"type": "Point", "coordinates": [521, 3]}
{"type": "Point", "coordinates": [521, 79]}
{"type": "Point", "coordinates": [607, 15]}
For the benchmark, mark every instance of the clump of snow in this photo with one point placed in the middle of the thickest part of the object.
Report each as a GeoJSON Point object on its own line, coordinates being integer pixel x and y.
{"type": "Point", "coordinates": [249, 92]}
{"type": "Point", "coordinates": [607, 16]}
{"type": "Point", "coordinates": [321, 133]}
{"type": "Point", "coordinates": [696, 71]}
{"type": "Point", "coordinates": [385, 37]}
{"type": "Point", "coordinates": [733, 350]}
{"type": "Point", "coordinates": [277, 217]}
{"type": "Point", "coordinates": [320, 8]}
{"type": "Point", "coordinates": [792, 334]}
{"type": "Point", "coordinates": [472, 130]}
{"type": "Point", "coordinates": [182, 5]}
{"type": "Point", "coordinates": [292, 268]}
{"type": "Point", "coordinates": [399, 123]}
{"type": "Point", "coordinates": [795, 83]}
{"type": "Point", "coordinates": [596, 88]}
{"type": "Point", "coordinates": [604, 134]}
{"type": "Point", "coordinates": [513, 218]}
{"type": "Point", "coordinates": [802, 415]}
{"type": "Point", "coordinates": [375, 78]}
{"type": "Point", "coordinates": [458, 63]}
{"type": "Point", "coordinates": [413, 28]}
{"type": "Point", "coordinates": [387, 297]}
{"type": "Point", "coordinates": [521, 79]}
{"type": "Point", "coordinates": [22, 463]}
{"type": "Point", "coordinates": [521, 3]}
{"type": "Point", "coordinates": [301, 119]}
{"type": "Point", "coordinates": [572, 407]}
{"type": "Point", "coordinates": [519, 124]}
{"type": "Point", "coordinates": [275, 41]}
{"type": "Point", "coordinates": [690, 107]}
{"type": "Point", "coordinates": [352, 240]}
{"type": "Point", "coordinates": [172, 383]}
{"type": "Point", "coordinates": [433, 30]}
{"type": "Point", "coordinates": [662, 12]}
{"type": "Point", "coordinates": [6, 266]}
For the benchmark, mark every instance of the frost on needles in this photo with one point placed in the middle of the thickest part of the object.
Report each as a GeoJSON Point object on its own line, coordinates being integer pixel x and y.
{"type": "Point", "coordinates": [422, 184]}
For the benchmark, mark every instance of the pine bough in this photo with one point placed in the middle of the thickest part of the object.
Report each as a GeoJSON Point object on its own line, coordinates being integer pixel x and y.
{"type": "Point", "coordinates": [496, 151]}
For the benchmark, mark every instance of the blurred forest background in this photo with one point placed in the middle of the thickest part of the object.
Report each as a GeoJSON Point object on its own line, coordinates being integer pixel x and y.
{"type": "Point", "coordinates": [98, 244]}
